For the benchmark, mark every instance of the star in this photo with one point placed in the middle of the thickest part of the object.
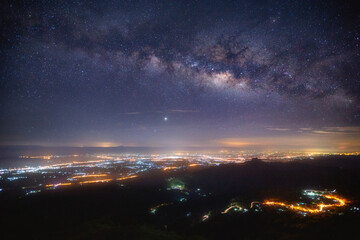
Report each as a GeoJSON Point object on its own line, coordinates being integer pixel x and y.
{"type": "Point", "coordinates": [78, 73]}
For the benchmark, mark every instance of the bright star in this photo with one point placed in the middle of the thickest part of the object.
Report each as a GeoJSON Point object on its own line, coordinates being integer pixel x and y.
{"type": "Point", "coordinates": [165, 118]}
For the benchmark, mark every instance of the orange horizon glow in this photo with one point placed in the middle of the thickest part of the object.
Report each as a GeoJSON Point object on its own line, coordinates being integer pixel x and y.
{"type": "Point", "coordinates": [316, 140]}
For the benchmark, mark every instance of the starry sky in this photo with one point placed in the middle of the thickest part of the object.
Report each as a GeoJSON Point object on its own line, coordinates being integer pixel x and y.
{"type": "Point", "coordinates": [245, 74]}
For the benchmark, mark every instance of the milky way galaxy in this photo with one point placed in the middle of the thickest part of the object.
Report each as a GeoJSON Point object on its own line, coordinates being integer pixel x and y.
{"type": "Point", "coordinates": [248, 74]}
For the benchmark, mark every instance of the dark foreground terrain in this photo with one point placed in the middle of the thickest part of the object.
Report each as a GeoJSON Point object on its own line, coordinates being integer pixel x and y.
{"type": "Point", "coordinates": [123, 211]}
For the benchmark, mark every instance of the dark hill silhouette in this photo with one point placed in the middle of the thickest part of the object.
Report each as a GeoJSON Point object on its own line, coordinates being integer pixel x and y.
{"type": "Point", "coordinates": [110, 211]}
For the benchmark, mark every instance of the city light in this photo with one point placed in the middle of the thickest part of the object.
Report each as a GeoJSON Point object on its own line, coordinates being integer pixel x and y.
{"type": "Point", "coordinates": [153, 210]}
{"type": "Point", "coordinates": [169, 168]}
{"type": "Point", "coordinates": [89, 176]}
{"type": "Point", "coordinates": [236, 207]}
{"type": "Point", "coordinates": [97, 181]}
{"type": "Point", "coordinates": [194, 165]}
{"type": "Point", "coordinates": [205, 217]}
{"type": "Point", "coordinates": [316, 208]}
{"type": "Point", "coordinates": [128, 177]}
{"type": "Point", "coordinates": [58, 184]}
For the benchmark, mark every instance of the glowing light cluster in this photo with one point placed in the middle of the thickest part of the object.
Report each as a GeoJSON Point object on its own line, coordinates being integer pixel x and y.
{"type": "Point", "coordinates": [153, 210]}
{"type": "Point", "coordinates": [169, 168]}
{"type": "Point", "coordinates": [194, 165]}
{"type": "Point", "coordinates": [205, 217]}
{"type": "Point", "coordinates": [58, 184]}
{"type": "Point", "coordinates": [234, 206]}
{"type": "Point", "coordinates": [97, 181]}
{"type": "Point", "coordinates": [338, 202]}
{"type": "Point", "coordinates": [89, 176]}
{"type": "Point", "coordinates": [128, 177]}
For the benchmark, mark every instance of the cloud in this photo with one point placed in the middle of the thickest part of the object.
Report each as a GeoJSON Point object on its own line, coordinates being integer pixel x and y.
{"type": "Point", "coordinates": [347, 129]}
{"type": "Point", "coordinates": [326, 132]}
{"type": "Point", "coordinates": [305, 129]}
{"type": "Point", "coordinates": [279, 129]}
{"type": "Point", "coordinates": [343, 130]}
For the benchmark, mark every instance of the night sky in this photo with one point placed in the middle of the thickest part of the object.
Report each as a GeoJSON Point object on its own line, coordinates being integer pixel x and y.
{"type": "Point", "coordinates": [247, 74]}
